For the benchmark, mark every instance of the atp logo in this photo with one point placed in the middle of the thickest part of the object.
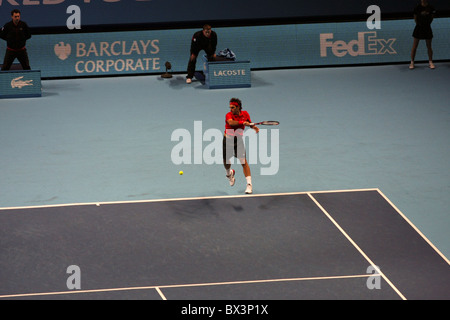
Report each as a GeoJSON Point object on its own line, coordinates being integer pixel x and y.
{"type": "Point", "coordinates": [62, 50]}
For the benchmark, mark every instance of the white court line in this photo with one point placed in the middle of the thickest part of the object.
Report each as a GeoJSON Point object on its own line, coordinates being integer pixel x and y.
{"type": "Point", "coordinates": [236, 196]}
{"type": "Point", "coordinates": [181, 199]}
{"type": "Point", "coordinates": [160, 293]}
{"type": "Point", "coordinates": [309, 193]}
{"type": "Point", "coordinates": [357, 247]}
{"type": "Point", "coordinates": [414, 227]}
{"type": "Point", "coordinates": [158, 288]}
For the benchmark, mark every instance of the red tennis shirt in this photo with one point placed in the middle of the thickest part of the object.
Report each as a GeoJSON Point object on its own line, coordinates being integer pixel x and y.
{"type": "Point", "coordinates": [243, 116]}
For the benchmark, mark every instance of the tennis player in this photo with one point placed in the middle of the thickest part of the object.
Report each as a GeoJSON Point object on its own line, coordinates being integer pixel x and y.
{"type": "Point", "coordinates": [423, 16]}
{"type": "Point", "coordinates": [233, 141]}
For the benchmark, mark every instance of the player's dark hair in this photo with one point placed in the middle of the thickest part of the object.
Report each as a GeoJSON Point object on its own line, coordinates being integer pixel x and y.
{"type": "Point", "coordinates": [236, 100]}
{"type": "Point", "coordinates": [15, 11]}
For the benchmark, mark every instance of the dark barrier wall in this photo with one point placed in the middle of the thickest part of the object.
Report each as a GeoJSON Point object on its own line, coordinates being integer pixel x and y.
{"type": "Point", "coordinates": [53, 13]}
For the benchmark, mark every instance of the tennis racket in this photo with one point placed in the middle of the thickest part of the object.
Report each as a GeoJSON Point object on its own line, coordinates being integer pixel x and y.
{"type": "Point", "coordinates": [266, 123]}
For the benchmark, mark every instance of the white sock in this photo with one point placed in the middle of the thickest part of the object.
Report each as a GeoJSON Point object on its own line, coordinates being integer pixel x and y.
{"type": "Point", "coordinates": [249, 179]}
{"type": "Point", "coordinates": [228, 172]}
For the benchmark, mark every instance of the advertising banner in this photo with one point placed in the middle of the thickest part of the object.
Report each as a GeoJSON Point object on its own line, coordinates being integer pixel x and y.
{"type": "Point", "coordinates": [20, 84]}
{"type": "Point", "coordinates": [279, 46]}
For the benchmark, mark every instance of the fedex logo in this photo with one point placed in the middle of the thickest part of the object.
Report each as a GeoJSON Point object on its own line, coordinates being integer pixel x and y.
{"type": "Point", "coordinates": [366, 44]}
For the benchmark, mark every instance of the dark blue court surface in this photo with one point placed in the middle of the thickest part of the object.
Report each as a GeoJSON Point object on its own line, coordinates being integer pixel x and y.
{"type": "Point", "coordinates": [319, 245]}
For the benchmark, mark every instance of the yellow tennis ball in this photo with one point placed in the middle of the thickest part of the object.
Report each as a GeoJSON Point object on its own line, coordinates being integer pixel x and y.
{"type": "Point", "coordinates": [181, 173]}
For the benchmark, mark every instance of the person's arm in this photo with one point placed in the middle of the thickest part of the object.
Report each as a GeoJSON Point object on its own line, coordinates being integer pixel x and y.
{"type": "Point", "coordinates": [214, 44]}
{"type": "Point", "coordinates": [432, 14]}
{"type": "Point", "coordinates": [253, 127]}
{"type": "Point", "coordinates": [194, 44]}
{"type": "Point", "coordinates": [26, 31]}
{"type": "Point", "coordinates": [247, 124]}
{"type": "Point", "coordinates": [3, 33]}
{"type": "Point", "coordinates": [234, 123]}
{"type": "Point", "coordinates": [415, 13]}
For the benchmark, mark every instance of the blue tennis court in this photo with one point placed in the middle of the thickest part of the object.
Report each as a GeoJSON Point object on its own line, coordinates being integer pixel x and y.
{"type": "Point", "coordinates": [87, 171]}
{"type": "Point", "coordinates": [328, 245]}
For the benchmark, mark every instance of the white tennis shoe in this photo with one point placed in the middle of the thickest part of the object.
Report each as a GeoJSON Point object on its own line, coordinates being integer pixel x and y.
{"type": "Point", "coordinates": [249, 189]}
{"type": "Point", "coordinates": [231, 177]}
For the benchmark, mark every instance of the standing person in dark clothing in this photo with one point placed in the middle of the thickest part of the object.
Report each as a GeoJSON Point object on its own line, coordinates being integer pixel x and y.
{"type": "Point", "coordinates": [423, 16]}
{"type": "Point", "coordinates": [16, 33]}
{"type": "Point", "coordinates": [202, 40]}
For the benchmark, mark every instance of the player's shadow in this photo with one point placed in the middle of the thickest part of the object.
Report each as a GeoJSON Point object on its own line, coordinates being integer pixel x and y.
{"type": "Point", "coordinates": [52, 88]}
{"type": "Point", "coordinates": [179, 82]}
{"type": "Point", "coordinates": [259, 82]}
{"type": "Point", "coordinates": [198, 82]}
